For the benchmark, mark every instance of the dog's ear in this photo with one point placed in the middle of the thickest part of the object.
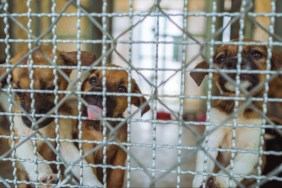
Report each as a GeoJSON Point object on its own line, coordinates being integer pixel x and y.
{"type": "Point", "coordinates": [138, 101]}
{"type": "Point", "coordinates": [276, 61]}
{"type": "Point", "coordinates": [198, 77]}
{"type": "Point", "coordinates": [70, 58]}
{"type": "Point", "coordinates": [2, 73]}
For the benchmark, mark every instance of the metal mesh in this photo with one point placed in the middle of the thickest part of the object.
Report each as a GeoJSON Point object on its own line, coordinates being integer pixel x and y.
{"type": "Point", "coordinates": [158, 43]}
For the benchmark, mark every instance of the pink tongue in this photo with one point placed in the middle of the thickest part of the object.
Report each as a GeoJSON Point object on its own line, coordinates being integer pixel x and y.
{"type": "Point", "coordinates": [94, 112]}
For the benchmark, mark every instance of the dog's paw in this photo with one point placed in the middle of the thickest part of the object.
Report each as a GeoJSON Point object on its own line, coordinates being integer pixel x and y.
{"type": "Point", "coordinates": [211, 182]}
{"type": "Point", "coordinates": [218, 182]}
{"type": "Point", "coordinates": [49, 179]}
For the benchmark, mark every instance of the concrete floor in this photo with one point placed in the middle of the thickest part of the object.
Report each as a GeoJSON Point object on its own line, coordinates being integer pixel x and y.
{"type": "Point", "coordinates": [165, 158]}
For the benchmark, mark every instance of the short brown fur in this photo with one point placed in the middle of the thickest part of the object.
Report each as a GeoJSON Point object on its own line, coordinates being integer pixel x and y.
{"type": "Point", "coordinates": [92, 130]}
{"type": "Point", "coordinates": [43, 80]}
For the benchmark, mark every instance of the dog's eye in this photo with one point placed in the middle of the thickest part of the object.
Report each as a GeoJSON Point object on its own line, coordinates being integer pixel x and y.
{"type": "Point", "coordinates": [220, 58]}
{"type": "Point", "coordinates": [256, 54]}
{"type": "Point", "coordinates": [93, 80]}
{"type": "Point", "coordinates": [21, 95]}
{"type": "Point", "coordinates": [122, 89]}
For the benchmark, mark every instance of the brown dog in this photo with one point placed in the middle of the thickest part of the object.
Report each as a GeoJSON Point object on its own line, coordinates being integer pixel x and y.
{"type": "Point", "coordinates": [42, 103]}
{"type": "Point", "coordinates": [220, 136]}
{"type": "Point", "coordinates": [275, 89]}
{"type": "Point", "coordinates": [92, 129]}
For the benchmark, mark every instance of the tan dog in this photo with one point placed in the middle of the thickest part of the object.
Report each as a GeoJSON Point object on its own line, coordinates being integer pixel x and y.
{"type": "Point", "coordinates": [247, 138]}
{"type": "Point", "coordinates": [44, 102]}
{"type": "Point", "coordinates": [92, 129]}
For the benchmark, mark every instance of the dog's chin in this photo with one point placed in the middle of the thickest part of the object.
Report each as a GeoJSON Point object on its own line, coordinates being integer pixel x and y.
{"type": "Point", "coordinates": [42, 124]}
{"type": "Point", "coordinates": [245, 84]}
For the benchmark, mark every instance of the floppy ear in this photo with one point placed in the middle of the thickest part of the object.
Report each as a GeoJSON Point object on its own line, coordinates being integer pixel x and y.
{"type": "Point", "coordinates": [2, 73]}
{"type": "Point", "coordinates": [70, 58]}
{"type": "Point", "coordinates": [138, 101]}
{"type": "Point", "coordinates": [276, 62]}
{"type": "Point", "coordinates": [198, 77]}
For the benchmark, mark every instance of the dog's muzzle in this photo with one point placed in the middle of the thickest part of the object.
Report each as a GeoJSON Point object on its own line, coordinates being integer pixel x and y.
{"type": "Point", "coordinates": [94, 110]}
{"type": "Point", "coordinates": [95, 103]}
{"type": "Point", "coordinates": [42, 107]}
{"type": "Point", "coordinates": [247, 81]}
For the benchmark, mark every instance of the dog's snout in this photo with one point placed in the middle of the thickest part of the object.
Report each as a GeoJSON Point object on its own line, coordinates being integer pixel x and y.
{"type": "Point", "coordinates": [95, 98]}
{"type": "Point", "coordinates": [42, 111]}
{"type": "Point", "coordinates": [97, 89]}
{"type": "Point", "coordinates": [244, 65]}
{"type": "Point", "coordinates": [98, 99]}
{"type": "Point", "coordinates": [231, 63]}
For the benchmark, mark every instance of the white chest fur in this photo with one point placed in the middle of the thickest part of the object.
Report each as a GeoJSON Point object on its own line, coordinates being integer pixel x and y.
{"type": "Point", "coordinates": [247, 133]}
{"type": "Point", "coordinates": [20, 127]}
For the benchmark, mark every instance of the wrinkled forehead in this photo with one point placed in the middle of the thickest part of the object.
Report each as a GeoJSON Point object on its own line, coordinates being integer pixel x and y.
{"type": "Point", "coordinates": [41, 78]}
{"type": "Point", "coordinates": [38, 73]}
{"type": "Point", "coordinates": [232, 50]}
{"type": "Point", "coordinates": [44, 57]}
{"type": "Point", "coordinates": [113, 76]}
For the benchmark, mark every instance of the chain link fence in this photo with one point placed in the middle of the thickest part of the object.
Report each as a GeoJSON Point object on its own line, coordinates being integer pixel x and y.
{"type": "Point", "coordinates": [157, 43]}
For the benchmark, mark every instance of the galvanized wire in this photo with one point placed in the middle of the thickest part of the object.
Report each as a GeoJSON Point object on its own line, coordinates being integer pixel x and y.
{"type": "Point", "coordinates": [129, 124]}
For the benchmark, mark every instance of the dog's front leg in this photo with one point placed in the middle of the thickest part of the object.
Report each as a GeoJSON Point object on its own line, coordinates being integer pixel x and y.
{"type": "Point", "coordinates": [214, 141]}
{"type": "Point", "coordinates": [26, 152]}
{"type": "Point", "coordinates": [86, 147]}
{"type": "Point", "coordinates": [244, 163]}
{"type": "Point", "coordinates": [71, 154]}
{"type": "Point", "coordinates": [116, 177]}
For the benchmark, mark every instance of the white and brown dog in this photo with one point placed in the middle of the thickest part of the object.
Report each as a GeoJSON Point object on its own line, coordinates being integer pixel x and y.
{"type": "Point", "coordinates": [42, 103]}
{"type": "Point", "coordinates": [254, 57]}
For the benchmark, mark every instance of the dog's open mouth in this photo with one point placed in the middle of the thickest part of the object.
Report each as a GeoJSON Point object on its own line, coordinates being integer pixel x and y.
{"type": "Point", "coordinates": [94, 112]}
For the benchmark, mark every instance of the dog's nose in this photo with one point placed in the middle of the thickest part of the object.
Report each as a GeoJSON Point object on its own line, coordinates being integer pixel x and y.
{"type": "Point", "coordinates": [98, 97]}
{"type": "Point", "coordinates": [244, 65]}
{"type": "Point", "coordinates": [42, 111]}
{"type": "Point", "coordinates": [95, 99]}
{"type": "Point", "coordinates": [231, 63]}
